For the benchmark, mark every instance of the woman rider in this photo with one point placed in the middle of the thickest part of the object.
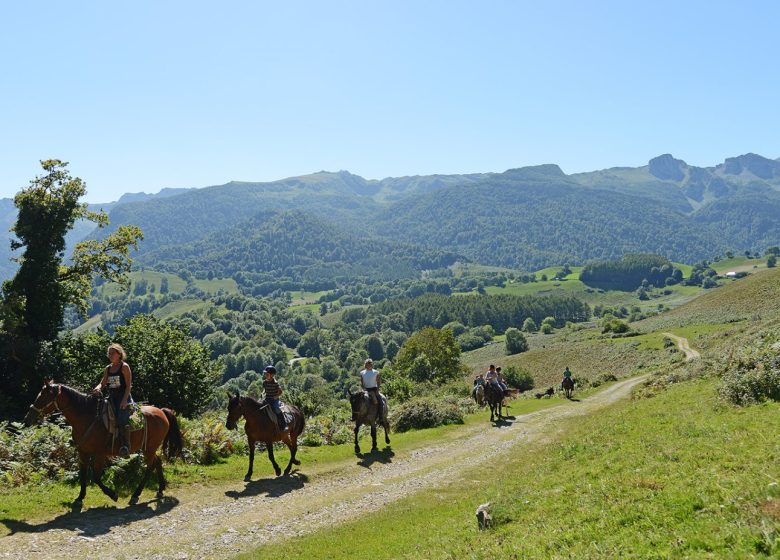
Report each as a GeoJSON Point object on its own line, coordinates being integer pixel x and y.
{"type": "Point", "coordinates": [119, 380]}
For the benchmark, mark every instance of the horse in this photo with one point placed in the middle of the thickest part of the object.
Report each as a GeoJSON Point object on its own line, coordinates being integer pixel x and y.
{"type": "Point", "coordinates": [364, 412]}
{"type": "Point", "coordinates": [479, 395]}
{"type": "Point", "coordinates": [495, 399]}
{"type": "Point", "coordinates": [96, 444]}
{"type": "Point", "coordinates": [568, 386]}
{"type": "Point", "coordinates": [260, 427]}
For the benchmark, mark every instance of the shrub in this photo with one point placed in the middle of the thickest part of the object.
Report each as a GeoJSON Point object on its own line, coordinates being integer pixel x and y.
{"type": "Point", "coordinates": [518, 378]}
{"type": "Point", "coordinates": [426, 413]}
{"type": "Point", "coordinates": [207, 440]}
{"type": "Point", "coordinates": [754, 376]}
{"type": "Point", "coordinates": [515, 341]}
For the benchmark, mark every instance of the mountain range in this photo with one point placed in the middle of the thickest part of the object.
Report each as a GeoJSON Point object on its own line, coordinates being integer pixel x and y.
{"type": "Point", "coordinates": [523, 218]}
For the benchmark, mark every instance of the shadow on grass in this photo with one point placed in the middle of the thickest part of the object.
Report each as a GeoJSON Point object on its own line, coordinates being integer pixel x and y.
{"type": "Point", "coordinates": [384, 456]}
{"type": "Point", "coordinates": [504, 422]}
{"type": "Point", "coordinates": [271, 487]}
{"type": "Point", "coordinates": [96, 521]}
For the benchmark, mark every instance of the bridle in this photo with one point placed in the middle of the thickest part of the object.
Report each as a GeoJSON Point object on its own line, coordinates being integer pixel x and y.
{"type": "Point", "coordinates": [45, 410]}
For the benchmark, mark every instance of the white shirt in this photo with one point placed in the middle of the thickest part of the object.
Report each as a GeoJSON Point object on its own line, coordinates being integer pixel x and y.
{"type": "Point", "coordinates": [369, 378]}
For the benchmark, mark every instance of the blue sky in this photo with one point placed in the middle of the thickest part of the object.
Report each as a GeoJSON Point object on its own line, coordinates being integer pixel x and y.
{"type": "Point", "coordinates": [139, 96]}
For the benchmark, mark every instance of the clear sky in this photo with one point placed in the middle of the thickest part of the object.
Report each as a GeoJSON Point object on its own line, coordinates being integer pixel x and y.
{"type": "Point", "coordinates": [139, 96]}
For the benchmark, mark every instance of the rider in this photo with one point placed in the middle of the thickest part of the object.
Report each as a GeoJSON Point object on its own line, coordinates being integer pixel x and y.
{"type": "Point", "coordinates": [491, 377]}
{"type": "Point", "coordinates": [119, 380]}
{"type": "Point", "coordinates": [566, 374]}
{"type": "Point", "coordinates": [369, 380]}
{"type": "Point", "coordinates": [501, 380]}
{"type": "Point", "coordinates": [272, 393]}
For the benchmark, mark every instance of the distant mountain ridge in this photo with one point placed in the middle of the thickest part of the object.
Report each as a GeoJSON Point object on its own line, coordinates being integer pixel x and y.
{"type": "Point", "coordinates": [526, 217]}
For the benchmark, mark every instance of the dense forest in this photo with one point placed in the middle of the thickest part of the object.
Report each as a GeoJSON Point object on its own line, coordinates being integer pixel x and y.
{"type": "Point", "coordinates": [631, 272]}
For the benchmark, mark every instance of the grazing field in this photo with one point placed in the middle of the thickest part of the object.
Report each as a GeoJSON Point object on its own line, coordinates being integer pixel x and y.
{"type": "Point", "coordinates": [674, 476]}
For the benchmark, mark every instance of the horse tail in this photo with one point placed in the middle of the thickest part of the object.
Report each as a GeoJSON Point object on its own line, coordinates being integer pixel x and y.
{"type": "Point", "coordinates": [300, 422]}
{"type": "Point", "coordinates": [173, 443]}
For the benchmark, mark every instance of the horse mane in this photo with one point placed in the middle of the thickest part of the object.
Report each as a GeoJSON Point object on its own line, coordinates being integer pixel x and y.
{"type": "Point", "coordinates": [253, 403]}
{"type": "Point", "coordinates": [79, 399]}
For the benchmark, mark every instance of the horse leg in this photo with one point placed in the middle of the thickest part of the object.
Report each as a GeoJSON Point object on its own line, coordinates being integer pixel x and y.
{"type": "Point", "coordinates": [386, 426]}
{"type": "Point", "coordinates": [83, 476]}
{"type": "Point", "coordinates": [160, 477]}
{"type": "Point", "coordinates": [270, 446]}
{"type": "Point", "coordinates": [357, 430]}
{"type": "Point", "coordinates": [248, 476]}
{"type": "Point", "coordinates": [97, 473]}
{"type": "Point", "coordinates": [373, 437]}
{"type": "Point", "coordinates": [144, 480]}
{"type": "Point", "coordinates": [292, 445]}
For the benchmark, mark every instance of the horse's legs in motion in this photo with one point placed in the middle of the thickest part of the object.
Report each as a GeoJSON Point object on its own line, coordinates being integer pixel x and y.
{"type": "Point", "coordinates": [386, 426]}
{"type": "Point", "coordinates": [357, 430]}
{"type": "Point", "coordinates": [97, 473]}
{"type": "Point", "coordinates": [373, 437]}
{"type": "Point", "coordinates": [83, 475]}
{"type": "Point", "coordinates": [248, 476]}
{"type": "Point", "coordinates": [160, 477]}
{"type": "Point", "coordinates": [270, 446]}
{"type": "Point", "coordinates": [292, 444]}
{"type": "Point", "coordinates": [152, 461]}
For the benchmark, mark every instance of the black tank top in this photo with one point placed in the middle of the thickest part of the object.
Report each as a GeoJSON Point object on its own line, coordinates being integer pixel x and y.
{"type": "Point", "coordinates": [116, 382]}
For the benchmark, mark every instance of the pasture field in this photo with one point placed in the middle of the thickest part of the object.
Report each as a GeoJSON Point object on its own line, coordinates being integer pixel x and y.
{"type": "Point", "coordinates": [738, 264]}
{"type": "Point", "coordinates": [301, 298]}
{"type": "Point", "coordinates": [226, 285]}
{"type": "Point", "coordinates": [175, 284]}
{"type": "Point", "coordinates": [180, 307]}
{"type": "Point", "coordinates": [677, 475]}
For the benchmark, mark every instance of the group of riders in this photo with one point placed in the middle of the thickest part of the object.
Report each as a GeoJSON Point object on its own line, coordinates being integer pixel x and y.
{"type": "Point", "coordinates": [118, 379]}
{"type": "Point", "coordinates": [494, 379]}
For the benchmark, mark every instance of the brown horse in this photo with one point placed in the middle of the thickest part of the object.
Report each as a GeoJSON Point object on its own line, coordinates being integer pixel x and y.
{"type": "Point", "coordinates": [96, 444]}
{"type": "Point", "coordinates": [260, 427]}
{"type": "Point", "coordinates": [364, 412]}
{"type": "Point", "coordinates": [568, 386]}
{"type": "Point", "coordinates": [495, 399]}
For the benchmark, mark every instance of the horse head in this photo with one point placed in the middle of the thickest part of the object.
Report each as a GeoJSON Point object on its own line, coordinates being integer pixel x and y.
{"type": "Point", "coordinates": [45, 403]}
{"type": "Point", "coordinates": [358, 400]}
{"type": "Point", "coordinates": [235, 411]}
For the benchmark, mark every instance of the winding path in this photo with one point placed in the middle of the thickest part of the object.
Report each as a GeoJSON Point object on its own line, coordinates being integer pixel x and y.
{"type": "Point", "coordinates": [684, 346]}
{"type": "Point", "coordinates": [221, 520]}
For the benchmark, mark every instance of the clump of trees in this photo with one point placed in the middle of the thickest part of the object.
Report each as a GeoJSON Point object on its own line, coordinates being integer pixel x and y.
{"type": "Point", "coordinates": [631, 272]}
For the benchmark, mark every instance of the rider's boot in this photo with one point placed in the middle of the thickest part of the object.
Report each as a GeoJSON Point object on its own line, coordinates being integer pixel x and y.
{"type": "Point", "coordinates": [124, 440]}
{"type": "Point", "coordinates": [282, 422]}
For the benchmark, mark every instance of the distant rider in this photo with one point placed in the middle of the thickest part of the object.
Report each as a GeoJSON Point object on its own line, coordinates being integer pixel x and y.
{"type": "Point", "coordinates": [369, 380]}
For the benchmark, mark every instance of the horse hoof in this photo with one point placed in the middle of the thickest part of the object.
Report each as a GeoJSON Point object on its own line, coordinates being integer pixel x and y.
{"type": "Point", "coordinates": [133, 500]}
{"type": "Point", "coordinates": [278, 472]}
{"type": "Point", "coordinates": [374, 449]}
{"type": "Point", "coordinates": [159, 495]}
{"type": "Point", "coordinates": [248, 478]}
{"type": "Point", "coordinates": [286, 472]}
{"type": "Point", "coordinates": [357, 450]}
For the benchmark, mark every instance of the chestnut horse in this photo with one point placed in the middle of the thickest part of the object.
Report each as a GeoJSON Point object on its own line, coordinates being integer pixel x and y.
{"type": "Point", "coordinates": [260, 427]}
{"type": "Point", "coordinates": [96, 444]}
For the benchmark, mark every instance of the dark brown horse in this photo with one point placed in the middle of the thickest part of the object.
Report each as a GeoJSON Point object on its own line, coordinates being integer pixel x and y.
{"type": "Point", "coordinates": [364, 412]}
{"type": "Point", "coordinates": [495, 399]}
{"type": "Point", "coordinates": [96, 444]}
{"type": "Point", "coordinates": [260, 427]}
{"type": "Point", "coordinates": [568, 386]}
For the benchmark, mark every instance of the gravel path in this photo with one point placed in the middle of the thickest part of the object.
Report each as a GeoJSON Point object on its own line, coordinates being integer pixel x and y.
{"type": "Point", "coordinates": [684, 346]}
{"type": "Point", "coordinates": [223, 520]}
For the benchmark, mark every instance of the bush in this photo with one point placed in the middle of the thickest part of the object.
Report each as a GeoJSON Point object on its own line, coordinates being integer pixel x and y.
{"type": "Point", "coordinates": [426, 413]}
{"type": "Point", "coordinates": [515, 341]}
{"type": "Point", "coordinates": [36, 453]}
{"type": "Point", "coordinates": [207, 440]}
{"type": "Point", "coordinates": [518, 378]}
{"type": "Point", "coordinates": [754, 376]}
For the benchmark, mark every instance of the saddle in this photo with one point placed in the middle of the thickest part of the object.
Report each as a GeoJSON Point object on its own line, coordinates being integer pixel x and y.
{"type": "Point", "coordinates": [108, 417]}
{"type": "Point", "coordinates": [288, 416]}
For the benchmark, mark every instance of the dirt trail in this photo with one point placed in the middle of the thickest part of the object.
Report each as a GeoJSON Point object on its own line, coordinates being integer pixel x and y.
{"type": "Point", "coordinates": [223, 520]}
{"type": "Point", "coordinates": [684, 346]}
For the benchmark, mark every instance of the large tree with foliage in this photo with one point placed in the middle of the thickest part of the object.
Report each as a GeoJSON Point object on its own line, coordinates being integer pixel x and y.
{"type": "Point", "coordinates": [33, 302]}
{"type": "Point", "coordinates": [436, 349]}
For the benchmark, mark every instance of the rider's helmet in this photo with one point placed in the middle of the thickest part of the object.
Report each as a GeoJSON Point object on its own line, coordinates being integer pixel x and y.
{"type": "Point", "coordinates": [270, 369]}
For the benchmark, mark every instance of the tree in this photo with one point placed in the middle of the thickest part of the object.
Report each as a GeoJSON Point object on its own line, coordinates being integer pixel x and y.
{"type": "Point", "coordinates": [518, 378]}
{"type": "Point", "coordinates": [515, 341]}
{"type": "Point", "coordinates": [34, 301]}
{"type": "Point", "coordinates": [313, 344]}
{"type": "Point", "coordinates": [771, 261]}
{"type": "Point", "coordinates": [169, 368]}
{"type": "Point", "coordinates": [529, 325]}
{"type": "Point", "coordinates": [436, 350]}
